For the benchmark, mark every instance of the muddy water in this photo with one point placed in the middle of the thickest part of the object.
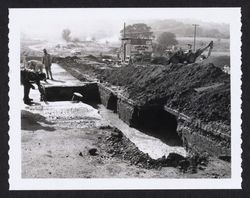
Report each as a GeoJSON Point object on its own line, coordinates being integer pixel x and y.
{"type": "Point", "coordinates": [147, 144]}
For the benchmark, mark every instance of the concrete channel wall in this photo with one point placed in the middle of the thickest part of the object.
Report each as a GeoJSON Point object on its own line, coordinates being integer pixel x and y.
{"type": "Point", "coordinates": [125, 109]}
{"type": "Point", "coordinates": [89, 92]}
{"type": "Point", "coordinates": [201, 141]}
{"type": "Point", "coordinates": [212, 138]}
{"type": "Point", "coordinates": [108, 98]}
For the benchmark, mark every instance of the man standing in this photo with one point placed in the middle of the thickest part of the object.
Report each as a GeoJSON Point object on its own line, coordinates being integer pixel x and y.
{"type": "Point", "coordinates": [47, 63]}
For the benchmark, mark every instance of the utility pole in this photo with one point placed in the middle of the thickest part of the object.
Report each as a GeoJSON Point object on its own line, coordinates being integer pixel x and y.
{"type": "Point", "coordinates": [195, 26]}
{"type": "Point", "coordinates": [124, 29]}
{"type": "Point", "coordinates": [124, 43]}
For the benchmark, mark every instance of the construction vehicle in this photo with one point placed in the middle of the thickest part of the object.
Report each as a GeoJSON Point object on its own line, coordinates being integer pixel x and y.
{"type": "Point", "coordinates": [189, 57]}
{"type": "Point", "coordinates": [140, 57]}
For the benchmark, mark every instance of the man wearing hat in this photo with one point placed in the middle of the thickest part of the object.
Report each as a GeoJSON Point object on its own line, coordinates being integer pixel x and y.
{"type": "Point", "coordinates": [47, 63]}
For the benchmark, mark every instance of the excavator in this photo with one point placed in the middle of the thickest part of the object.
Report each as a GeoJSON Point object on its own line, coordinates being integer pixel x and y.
{"type": "Point", "coordinates": [189, 57]}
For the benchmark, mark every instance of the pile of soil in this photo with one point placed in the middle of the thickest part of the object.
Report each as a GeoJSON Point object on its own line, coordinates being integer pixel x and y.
{"type": "Point", "coordinates": [174, 85]}
{"type": "Point", "coordinates": [80, 69]}
{"type": "Point", "coordinates": [171, 85]}
{"type": "Point", "coordinates": [160, 60]}
{"type": "Point", "coordinates": [66, 60]}
{"type": "Point", "coordinates": [219, 61]}
{"type": "Point", "coordinates": [92, 57]}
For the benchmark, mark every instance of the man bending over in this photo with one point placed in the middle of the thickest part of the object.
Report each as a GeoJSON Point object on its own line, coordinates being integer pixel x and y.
{"type": "Point", "coordinates": [27, 78]}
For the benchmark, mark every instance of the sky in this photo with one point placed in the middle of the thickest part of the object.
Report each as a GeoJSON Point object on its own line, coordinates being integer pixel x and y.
{"type": "Point", "coordinates": [49, 23]}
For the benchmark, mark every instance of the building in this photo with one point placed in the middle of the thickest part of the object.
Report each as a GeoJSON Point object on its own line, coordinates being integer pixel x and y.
{"type": "Point", "coordinates": [135, 49]}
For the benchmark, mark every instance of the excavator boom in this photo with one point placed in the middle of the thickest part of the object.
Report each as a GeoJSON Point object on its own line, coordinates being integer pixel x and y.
{"type": "Point", "coordinates": [201, 50]}
{"type": "Point", "coordinates": [190, 57]}
{"type": "Point", "coordinates": [210, 49]}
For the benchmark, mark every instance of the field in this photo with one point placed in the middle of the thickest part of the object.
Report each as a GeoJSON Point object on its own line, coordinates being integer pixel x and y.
{"type": "Point", "coordinates": [221, 46]}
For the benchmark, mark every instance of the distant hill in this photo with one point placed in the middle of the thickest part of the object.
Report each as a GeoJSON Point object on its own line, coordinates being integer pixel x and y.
{"type": "Point", "coordinates": [184, 28]}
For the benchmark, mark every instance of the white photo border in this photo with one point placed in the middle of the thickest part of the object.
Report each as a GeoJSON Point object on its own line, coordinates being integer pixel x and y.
{"type": "Point", "coordinates": [18, 183]}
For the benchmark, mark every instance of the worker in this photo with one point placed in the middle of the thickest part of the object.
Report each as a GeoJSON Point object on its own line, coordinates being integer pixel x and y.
{"type": "Point", "coordinates": [189, 50]}
{"type": "Point", "coordinates": [27, 78]}
{"type": "Point", "coordinates": [47, 63]}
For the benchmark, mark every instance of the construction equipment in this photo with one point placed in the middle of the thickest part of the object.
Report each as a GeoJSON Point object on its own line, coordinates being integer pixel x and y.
{"type": "Point", "coordinates": [189, 57]}
{"type": "Point", "coordinates": [140, 57]}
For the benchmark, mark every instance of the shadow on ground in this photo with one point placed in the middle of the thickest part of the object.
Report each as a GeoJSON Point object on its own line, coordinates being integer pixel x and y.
{"type": "Point", "coordinates": [31, 121]}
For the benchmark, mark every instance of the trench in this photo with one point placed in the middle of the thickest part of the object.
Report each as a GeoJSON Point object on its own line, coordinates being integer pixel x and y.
{"type": "Point", "coordinates": [148, 120]}
{"type": "Point", "coordinates": [160, 124]}
{"type": "Point", "coordinates": [152, 129]}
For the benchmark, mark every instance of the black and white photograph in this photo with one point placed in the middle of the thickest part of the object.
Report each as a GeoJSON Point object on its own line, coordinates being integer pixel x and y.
{"type": "Point", "coordinates": [125, 98]}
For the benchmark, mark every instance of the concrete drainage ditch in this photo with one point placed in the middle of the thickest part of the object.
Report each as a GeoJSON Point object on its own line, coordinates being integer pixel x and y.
{"type": "Point", "coordinates": [170, 126]}
{"type": "Point", "coordinates": [198, 137]}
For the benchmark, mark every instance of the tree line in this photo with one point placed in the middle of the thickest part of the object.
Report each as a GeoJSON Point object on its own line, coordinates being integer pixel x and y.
{"type": "Point", "coordinates": [143, 31]}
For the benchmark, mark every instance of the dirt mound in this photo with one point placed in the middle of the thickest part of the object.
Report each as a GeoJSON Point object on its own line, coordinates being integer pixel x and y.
{"type": "Point", "coordinates": [91, 57]}
{"type": "Point", "coordinates": [79, 68]}
{"type": "Point", "coordinates": [160, 60]}
{"type": "Point", "coordinates": [67, 59]}
{"type": "Point", "coordinates": [219, 61]}
{"type": "Point", "coordinates": [174, 86]}
{"type": "Point", "coordinates": [210, 105]}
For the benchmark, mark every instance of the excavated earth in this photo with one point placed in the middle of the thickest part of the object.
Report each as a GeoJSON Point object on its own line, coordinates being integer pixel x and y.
{"type": "Point", "coordinates": [197, 95]}
{"type": "Point", "coordinates": [198, 90]}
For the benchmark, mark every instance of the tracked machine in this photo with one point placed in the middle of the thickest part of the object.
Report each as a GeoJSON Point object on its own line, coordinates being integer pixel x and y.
{"type": "Point", "coordinates": [189, 57]}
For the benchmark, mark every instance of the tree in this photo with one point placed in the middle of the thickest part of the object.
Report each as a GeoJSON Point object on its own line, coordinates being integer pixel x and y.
{"type": "Point", "coordinates": [165, 40]}
{"type": "Point", "coordinates": [214, 33]}
{"type": "Point", "coordinates": [66, 35]}
{"type": "Point", "coordinates": [138, 30]}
